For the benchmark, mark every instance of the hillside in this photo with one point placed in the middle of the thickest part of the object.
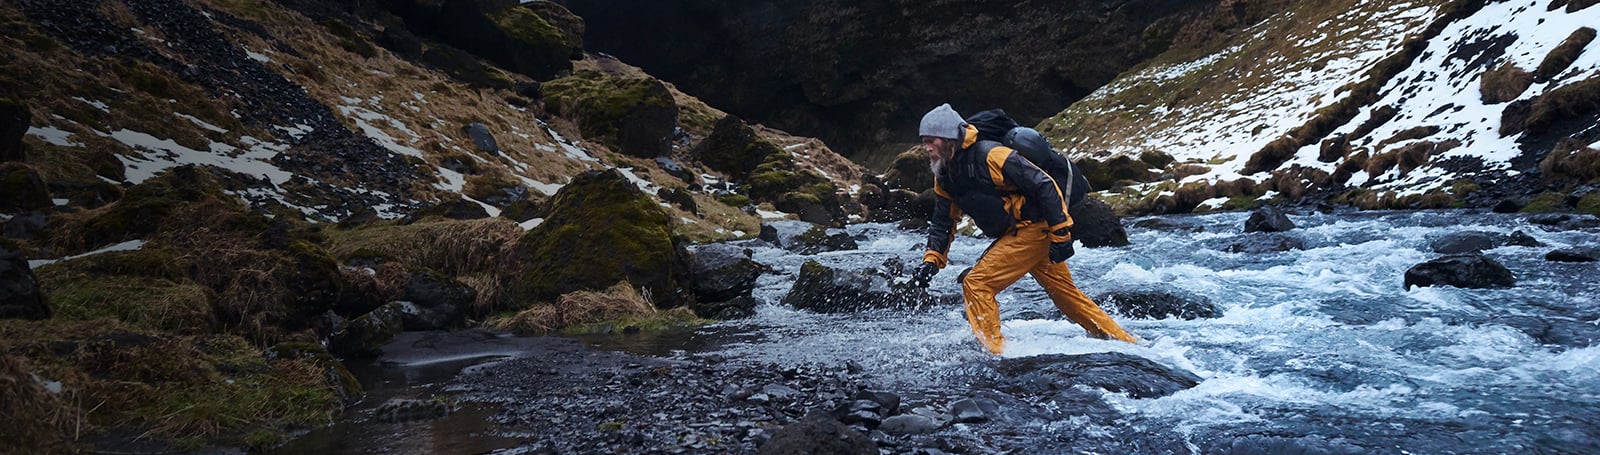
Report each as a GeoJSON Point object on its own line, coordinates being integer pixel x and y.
{"type": "Point", "coordinates": [1386, 104]}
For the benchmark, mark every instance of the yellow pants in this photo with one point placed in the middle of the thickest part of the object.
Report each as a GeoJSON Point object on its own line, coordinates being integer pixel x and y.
{"type": "Point", "coordinates": [1027, 251]}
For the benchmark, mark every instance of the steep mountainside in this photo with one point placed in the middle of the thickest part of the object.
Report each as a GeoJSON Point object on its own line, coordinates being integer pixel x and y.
{"type": "Point", "coordinates": [1381, 104]}
{"type": "Point", "coordinates": [859, 75]}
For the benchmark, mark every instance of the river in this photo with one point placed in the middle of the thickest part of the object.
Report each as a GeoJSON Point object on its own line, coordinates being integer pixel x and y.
{"type": "Point", "coordinates": [1316, 350]}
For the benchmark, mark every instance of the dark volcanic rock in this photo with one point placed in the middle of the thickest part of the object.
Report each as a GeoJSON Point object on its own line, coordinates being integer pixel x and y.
{"type": "Point", "coordinates": [1117, 372]}
{"type": "Point", "coordinates": [1462, 271]}
{"type": "Point", "coordinates": [1463, 242]}
{"type": "Point", "coordinates": [1268, 219]}
{"type": "Point", "coordinates": [1158, 304]}
{"type": "Point", "coordinates": [482, 138]}
{"type": "Point", "coordinates": [14, 118]}
{"type": "Point", "coordinates": [827, 290]}
{"type": "Point", "coordinates": [1095, 225]}
{"type": "Point", "coordinates": [1574, 254]}
{"type": "Point", "coordinates": [434, 301]}
{"type": "Point", "coordinates": [818, 434]}
{"type": "Point", "coordinates": [861, 74]}
{"type": "Point", "coordinates": [19, 289]}
{"type": "Point", "coordinates": [1265, 243]}
{"type": "Point", "coordinates": [1519, 238]}
{"type": "Point", "coordinates": [724, 276]}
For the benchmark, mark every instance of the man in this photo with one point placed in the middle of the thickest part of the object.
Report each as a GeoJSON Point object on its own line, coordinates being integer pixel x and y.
{"type": "Point", "coordinates": [1018, 205]}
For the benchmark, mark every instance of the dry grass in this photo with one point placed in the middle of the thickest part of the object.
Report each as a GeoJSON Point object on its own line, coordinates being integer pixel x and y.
{"type": "Point", "coordinates": [1571, 162]}
{"type": "Point", "coordinates": [454, 247]}
{"type": "Point", "coordinates": [32, 420]}
{"type": "Point", "coordinates": [1577, 100]}
{"type": "Point", "coordinates": [1504, 83]}
{"type": "Point", "coordinates": [1564, 54]}
{"type": "Point", "coordinates": [576, 308]}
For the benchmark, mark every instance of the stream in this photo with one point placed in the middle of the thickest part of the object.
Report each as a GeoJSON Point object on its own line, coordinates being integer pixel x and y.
{"type": "Point", "coordinates": [1316, 350]}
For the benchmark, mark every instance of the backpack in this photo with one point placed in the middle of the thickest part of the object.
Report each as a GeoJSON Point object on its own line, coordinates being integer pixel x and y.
{"type": "Point", "coordinates": [995, 125]}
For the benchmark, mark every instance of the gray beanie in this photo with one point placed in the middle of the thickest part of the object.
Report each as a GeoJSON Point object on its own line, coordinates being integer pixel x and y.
{"type": "Point", "coordinates": [942, 121]}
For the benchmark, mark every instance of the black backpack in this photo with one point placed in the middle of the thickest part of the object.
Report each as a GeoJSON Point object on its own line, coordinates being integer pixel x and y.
{"type": "Point", "coordinates": [995, 125]}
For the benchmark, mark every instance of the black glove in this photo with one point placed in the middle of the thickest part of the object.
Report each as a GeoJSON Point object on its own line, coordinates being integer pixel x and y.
{"type": "Point", "coordinates": [923, 275]}
{"type": "Point", "coordinates": [1059, 252]}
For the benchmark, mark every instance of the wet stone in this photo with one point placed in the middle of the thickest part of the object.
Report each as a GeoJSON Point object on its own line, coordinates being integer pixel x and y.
{"type": "Point", "coordinates": [973, 410]}
{"type": "Point", "coordinates": [908, 424]}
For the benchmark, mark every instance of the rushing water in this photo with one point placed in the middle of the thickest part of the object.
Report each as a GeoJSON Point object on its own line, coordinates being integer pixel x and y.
{"type": "Point", "coordinates": [1320, 348]}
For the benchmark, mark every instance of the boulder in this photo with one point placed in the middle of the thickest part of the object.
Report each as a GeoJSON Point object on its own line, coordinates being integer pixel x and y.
{"type": "Point", "coordinates": [538, 39]}
{"type": "Point", "coordinates": [365, 335]}
{"type": "Point", "coordinates": [1158, 305]}
{"type": "Point", "coordinates": [817, 433]}
{"type": "Point", "coordinates": [1268, 219]}
{"type": "Point", "coordinates": [1114, 371]}
{"type": "Point", "coordinates": [910, 171]}
{"type": "Point", "coordinates": [632, 116]}
{"type": "Point", "coordinates": [1574, 254]}
{"type": "Point", "coordinates": [908, 424]}
{"type": "Point", "coordinates": [1094, 225]}
{"type": "Point", "coordinates": [818, 239]}
{"type": "Point", "coordinates": [22, 189]}
{"type": "Point", "coordinates": [733, 148]}
{"type": "Point", "coordinates": [600, 229]}
{"type": "Point", "coordinates": [723, 272]}
{"type": "Point", "coordinates": [1463, 242]}
{"type": "Point", "coordinates": [19, 289]}
{"type": "Point", "coordinates": [1462, 271]}
{"type": "Point", "coordinates": [14, 120]}
{"type": "Point", "coordinates": [434, 301]}
{"type": "Point", "coordinates": [1519, 238]}
{"type": "Point", "coordinates": [482, 138]}
{"type": "Point", "coordinates": [1265, 243]}
{"type": "Point", "coordinates": [454, 209]}
{"type": "Point", "coordinates": [974, 410]}
{"type": "Point", "coordinates": [740, 307]}
{"type": "Point", "coordinates": [824, 289]}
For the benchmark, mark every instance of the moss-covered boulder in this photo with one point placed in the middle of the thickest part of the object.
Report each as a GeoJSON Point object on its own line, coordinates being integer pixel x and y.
{"type": "Point", "coordinates": [542, 38]}
{"type": "Point", "coordinates": [792, 189]}
{"type": "Point", "coordinates": [910, 171]}
{"type": "Point", "coordinates": [365, 335]}
{"type": "Point", "coordinates": [178, 197]}
{"type": "Point", "coordinates": [634, 116]}
{"type": "Point", "coordinates": [21, 189]}
{"type": "Point", "coordinates": [601, 229]}
{"type": "Point", "coordinates": [1116, 171]}
{"type": "Point", "coordinates": [733, 148]}
{"type": "Point", "coordinates": [145, 289]}
{"type": "Point", "coordinates": [14, 118]}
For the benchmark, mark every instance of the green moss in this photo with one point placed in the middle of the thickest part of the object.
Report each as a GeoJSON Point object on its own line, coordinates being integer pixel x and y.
{"type": "Point", "coordinates": [350, 39]}
{"type": "Point", "coordinates": [605, 106]}
{"type": "Point", "coordinates": [524, 25]}
{"type": "Point", "coordinates": [601, 229]}
{"type": "Point", "coordinates": [1589, 204]}
{"type": "Point", "coordinates": [1546, 202]}
{"type": "Point", "coordinates": [660, 321]}
{"type": "Point", "coordinates": [734, 199]}
{"type": "Point", "coordinates": [145, 289]}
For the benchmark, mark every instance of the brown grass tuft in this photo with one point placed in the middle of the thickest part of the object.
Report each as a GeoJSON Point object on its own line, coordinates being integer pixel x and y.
{"type": "Point", "coordinates": [1570, 161]}
{"type": "Point", "coordinates": [1572, 101]}
{"type": "Point", "coordinates": [1564, 54]}
{"type": "Point", "coordinates": [452, 247]}
{"type": "Point", "coordinates": [581, 307]}
{"type": "Point", "coordinates": [1504, 83]}
{"type": "Point", "coordinates": [32, 420]}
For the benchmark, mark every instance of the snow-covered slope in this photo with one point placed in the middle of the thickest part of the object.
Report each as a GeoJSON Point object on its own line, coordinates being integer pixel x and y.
{"type": "Point", "coordinates": [1317, 83]}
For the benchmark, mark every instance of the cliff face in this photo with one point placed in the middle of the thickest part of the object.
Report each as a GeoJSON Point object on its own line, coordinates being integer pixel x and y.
{"type": "Point", "coordinates": [860, 75]}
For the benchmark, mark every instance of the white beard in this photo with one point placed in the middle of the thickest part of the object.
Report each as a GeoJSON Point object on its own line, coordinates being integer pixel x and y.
{"type": "Point", "coordinates": [936, 164]}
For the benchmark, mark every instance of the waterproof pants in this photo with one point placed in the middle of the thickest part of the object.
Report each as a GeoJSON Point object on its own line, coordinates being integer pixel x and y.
{"type": "Point", "coordinates": [1027, 251]}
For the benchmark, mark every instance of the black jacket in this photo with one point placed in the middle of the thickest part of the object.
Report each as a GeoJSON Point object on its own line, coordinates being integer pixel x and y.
{"type": "Point", "coordinates": [998, 188]}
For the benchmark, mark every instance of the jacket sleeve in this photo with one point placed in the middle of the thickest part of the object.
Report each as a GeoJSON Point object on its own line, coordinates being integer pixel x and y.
{"type": "Point", "coordinates": [1036, 185]}
{"type": "Point", "coordinates": [941, 227]}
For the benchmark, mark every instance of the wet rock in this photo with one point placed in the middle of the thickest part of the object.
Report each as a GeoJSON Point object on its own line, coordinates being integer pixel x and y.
{"type": "Point", "coordinates": [1462, 271]}
{"type": "Point", "coordinates": [1555, 331]}
{"type": "Point", "coordinates": [434, 301]}
{"type": "Point", "coordinates": [740, 307]}
{"type": "Point", "coordinates": [19, 289]}
{"type": "Point", "coordinates": [733, 148]}
{"type": "Point", "coordinates": [365, 335]}
{"type": "Point", "coordinates": [632, 116]}
{"type": "Point", "coordinates": [1158, 305]}
{"type": "Point", "coordinates": [888, 403]}
{"type": "Point", "coordinates": [1565, 221]}
{"type": "Point", "coordinates": [1519, 238]}
{"type": "Point", "coordinates": [974, 410]}
{"type": "Point", "coordinates": [1114, 371]}
{"type": "Point", "coordinates": [1166, 224]}
{"type": "Point", "coordinates": [1574, 254]}
{"type": "Point", "coordinates": [403, 410]}
{"type": "Point", "coordinates": [827, 290]}
{"type": "Point", "coordinates": [908, 424]}
{"type": "Point", "coordinates": [482, 139]}
{"type": "Point", "coordinates": [1268, 219]}
{"type": "Point", "coordinates": [817, 434]}
{"type": "Point", "coordinates": [724, 272]}
{"type": "Point", "coordinates": [1095, 225]}
{"type": "Point", "coordinates": [1266, 243]}
{"type": "Point", "coordinates": [1463, 242]}
{"type": "Point", "coordinates": [818, 239]}
{"type": "Point", "coordinates": [455, 209]}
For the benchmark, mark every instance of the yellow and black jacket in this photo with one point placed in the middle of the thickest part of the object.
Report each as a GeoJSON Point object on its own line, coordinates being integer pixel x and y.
{"type": "Point", "coordinates": [998, 188]}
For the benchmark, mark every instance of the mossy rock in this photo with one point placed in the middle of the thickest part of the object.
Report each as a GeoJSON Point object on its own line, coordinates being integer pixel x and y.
{"type": "Point", "coordinates": [21, 189]}
{"type": "Point", "coordinates": [733, 148]}
{"type": "Point", "coordinates": [1107, 174]}
{"type": "Point", "coordinates": [600, 229]}
{"type": "Point", "coordinates": [634, 116]}
{"type": "Point", "coordinates": [1590, 204]}
{"type": "Point", "coordinates": [146, 289]}
{"type": "Point", "coordinates": [465, 67]}
{"type": "Point", "coordinates": [174, 197]}
{"type": "Point", "coordinates": [909, 172]}
{"type": "Point", "coordinates": [1546, 202]}
{"type": "Point", "coordinates": [542, 38]}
